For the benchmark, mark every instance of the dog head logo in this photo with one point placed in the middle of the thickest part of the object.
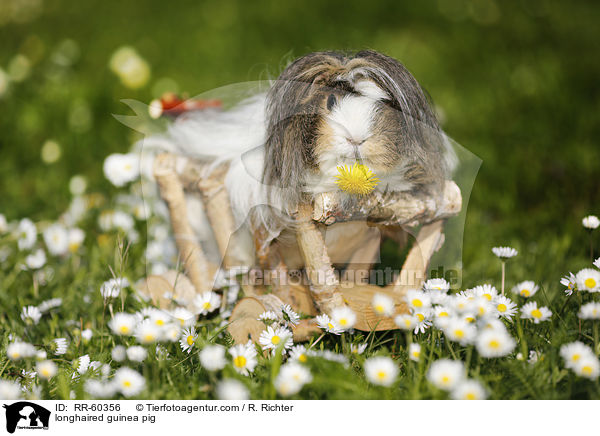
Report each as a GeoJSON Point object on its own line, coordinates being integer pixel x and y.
{"type": "Point", "coordinates": [26, 415]}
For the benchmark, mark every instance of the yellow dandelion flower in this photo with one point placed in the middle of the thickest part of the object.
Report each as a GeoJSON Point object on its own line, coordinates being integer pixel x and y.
{"type": "Point", "coordinates": [357, 179]}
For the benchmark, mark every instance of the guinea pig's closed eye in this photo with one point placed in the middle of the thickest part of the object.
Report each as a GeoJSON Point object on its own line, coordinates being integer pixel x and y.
{"type": "Point", "coordinates": [331, 101]}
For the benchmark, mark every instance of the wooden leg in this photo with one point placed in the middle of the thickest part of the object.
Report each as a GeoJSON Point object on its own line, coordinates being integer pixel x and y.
{"type": "Point", "coordinates": [171, 190]}
{"type": "Point", "coordinates": [414, 270]}
{"type": "Point", "coordinates": [324, 284]}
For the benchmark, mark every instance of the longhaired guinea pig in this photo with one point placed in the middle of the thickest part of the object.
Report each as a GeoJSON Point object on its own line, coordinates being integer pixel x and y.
{"type": "Point", "coordinates": [326, 109]}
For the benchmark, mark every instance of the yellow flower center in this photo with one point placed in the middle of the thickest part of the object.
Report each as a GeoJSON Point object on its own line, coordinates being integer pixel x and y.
{"type": "Point", "coordinates": [416, 354]}
{"type": "Point", "coordinates": [407, 322]}
{"type": "Point", "coordinates": [576, 357]}
{"type": "Point", "coordinates": [525, 292]}
{"type": "Point", "coordinates": [471, 396]}
{"type": "Point", "coordinates": [488, 297]}
{"type": "Point", "coordinates": [302, 358]}
{"type": "Point", "coordinates": [481, 310]}
{"type": "Point", "coordinates": [275, 340]}
{"type": "Point", "coordinates": [45, 372]}
{"type": "Point", "coordinates": [357, 179]}
{"type": "Point", "coordinates": [459, 333]}
{"type": "Point", "coordinates": [343, 322]}
{"type": "Point", "coordinates": [379, 308]}
{"type": "Point", "coordinates": [206, 305]}
{"type": "Point", "coordinates": [127, 383]}
{"type": "Point", "coordinates": [445, 380]}
{"type": "Point", "coordinates": [469, 319]}
{"type": "Point", "coordinates": [587, 370]}
{"type": "Point", "coordinates": [330, 326]}
{"type": "Point", "coordinates": [421, 317]}
{"type": "Point", "coordinates": [73, 247]}
{"type": "Point", "coordinates": [160, 322]}
{"type": "Point", "coordinates": [124, 329]}
{"type": "Point", "coordinates": [239, 361]}
{"type": "Point", "coordinates": [502, 307]}
{"type": "Point", "coordinates": [417, 303]}
{"type": "Point", "coordinates": [16, 355]}
{"type": "Point", "coordinates": [494, 344]}
{"type": "Point", "coordinates": [148, 337]}
{"type": "Point", "coordinates": [381, 375]}
{"type": "Point", "coordinates": [190, 340]}
{"type": "Point", "coordinates": [443, 314]}
{"type": "Point", "coordinates": [590, 283]}
{"type": "Point", "coordinates": [536, 313]}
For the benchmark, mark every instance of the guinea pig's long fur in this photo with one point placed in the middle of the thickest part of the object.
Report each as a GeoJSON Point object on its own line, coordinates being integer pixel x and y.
{"type": "Point", "coordinates": [326, 109]}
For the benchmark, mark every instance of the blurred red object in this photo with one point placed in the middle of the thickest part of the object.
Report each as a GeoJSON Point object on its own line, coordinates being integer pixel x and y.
{"type": "Point", "coordinates": [174, 105]}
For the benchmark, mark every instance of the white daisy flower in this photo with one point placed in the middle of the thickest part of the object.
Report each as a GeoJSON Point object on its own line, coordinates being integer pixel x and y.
{"type": "Point", "coordinates": [406, 321]}
{"type": "Point", "coordinates": [75, 237]}
{"type": "Point", "coordinates": [99, 388]}
{"type": "Point", "coordinates": [589, 311]}
{"type": "Point", "coordinates": [597, 263]}
{"type": "Point", "coordinates": [188, 339]}
{"type": "Point", "coordinates": [291, 378]}
{"type": "Point", "coordinates": [343, 317]}
{"type": "Point", "coordinates": [136, 353]}
{"type": "Point", "coordinates": [381, 370]}
{"type": "Point", "coordinates": [46, 369]}
{"type": "Point", "coordinates": [537, 315]}
{"type": "Point", "coordinates": [299, 353]}
{"type": "Point", "coordinates": [83, 364]}
{"type": "Point", "coordinates": [243, 358]}
{"type": "Point", "coordinates": [122, 323]}
{"type": "Point", "coordinates": [112, 288]}
{"type": "Point", "coordinates": [504, 252]}
{"type": "Point", "coordinates": [41, 355]}
{"type": "Point", "coordinates": [446, 374]}
{"type": "Point", "coordinates": [160, 318]}
{"type": "Point", "coordinates": [468, 390]}
{"type": "Point", "coordinates": [414, 352]}
{"type": "Point", "coordinates": [417, 299]}
{"type": "Point", "coordinates": [574, 352]}
{"type": "Point", "coordinates": [129, 382]}
{"type": "Point", "coordinates": [212, 357]}
{"type": "Point", "coordinates": [588, 280]}
{"type": "Point", "coordinates": [462, 303]}
{"type": "Point", "coordinates": [171, 332]}
{"type": "Point", "coordinates": [590, 222]}
{"type": "Point", "coordinates": [358, 348]}
{"type": "Point", "coordinates": [50, 304]}
{"type": "Point", "coordinates": [461, 331]}
{"type": "Point", "coordinates": [231, 389]}
{"type": "Point", "coordinates": [534, 356]}
{"type": "Point", "coordinates": [505, 307]}
{"type": "Point", "coordinates": [570, 281]}
{"type": "Point", "coordinates": [436, 285]}
{"type": "Point", "coordinates": [86, 334]}
{"type": "Point", "coordinates": [268, 317]}
{"type": "Point", "coordinates": [272, 338]}
{"type": "Point", "coordinates": [324, 322]}
{"type": "Point", "coordinates": [60, 346]}
{"type": "Point", "coordinates": [183, 317]}
{"type": "Point", "coordinates": [494, 343]}
{"type": "Point", "coordinates": [3, 224]}
{"type": "Point", "coordinates": [588, 367]}
{"type": "Point", "coordinates": [36, 260]}
{"type": "Point", "coordinates": [147, 332]}
{"type": "Point", "coordinates": [118, 353]}
{"type": "Point", "coordinates": [56, 238]}
{"type": "Point", "coordinates": [483, 308]}
{"type": "Point", "coordinates": [382, 305]}
{"type": "Point", "coordinates": [525, 289]}
{"type": "Point", "coordinates": [26, 234]}
{"type": "Point", "coordinates": [486, 291]}
{"type": "Point", "coordinates": [31, 313]}
{"type": "Point", "coordinates": [289, 316]}
{"type": "Point", "coordinates": [207, 302]}
{"type": "Point", "coordinates": [423, 319]}
{"type": "Point", "coordinates": [121, 169]}
{"type": "Point", "coordinates": [9, 390]}
{"type": "Point", "coordinates": [20, 350]}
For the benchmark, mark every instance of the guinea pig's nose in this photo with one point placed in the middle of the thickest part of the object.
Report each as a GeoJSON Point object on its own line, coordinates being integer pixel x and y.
{"type": "Point", "coordinates": [356, 143]}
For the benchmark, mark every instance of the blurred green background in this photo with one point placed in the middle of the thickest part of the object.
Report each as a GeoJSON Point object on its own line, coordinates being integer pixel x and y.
{"type": "Point", "coordinates": [516, 83]}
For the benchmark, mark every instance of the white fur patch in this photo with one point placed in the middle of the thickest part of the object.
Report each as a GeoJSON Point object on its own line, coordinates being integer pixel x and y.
{"type": "Point", "coordinates": [371, 90]}
{"type": "Point", "coordinates": [351, 119]}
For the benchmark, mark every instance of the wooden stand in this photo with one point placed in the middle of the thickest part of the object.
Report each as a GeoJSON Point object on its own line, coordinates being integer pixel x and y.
{"type": "Point", "coordinates": [325, 291]}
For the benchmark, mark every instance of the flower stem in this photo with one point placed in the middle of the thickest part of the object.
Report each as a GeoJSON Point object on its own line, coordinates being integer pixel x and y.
{"type": "Point", "coordinates": [503, 274]}
{"type": "Point", "coordinates": [595, 327]}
